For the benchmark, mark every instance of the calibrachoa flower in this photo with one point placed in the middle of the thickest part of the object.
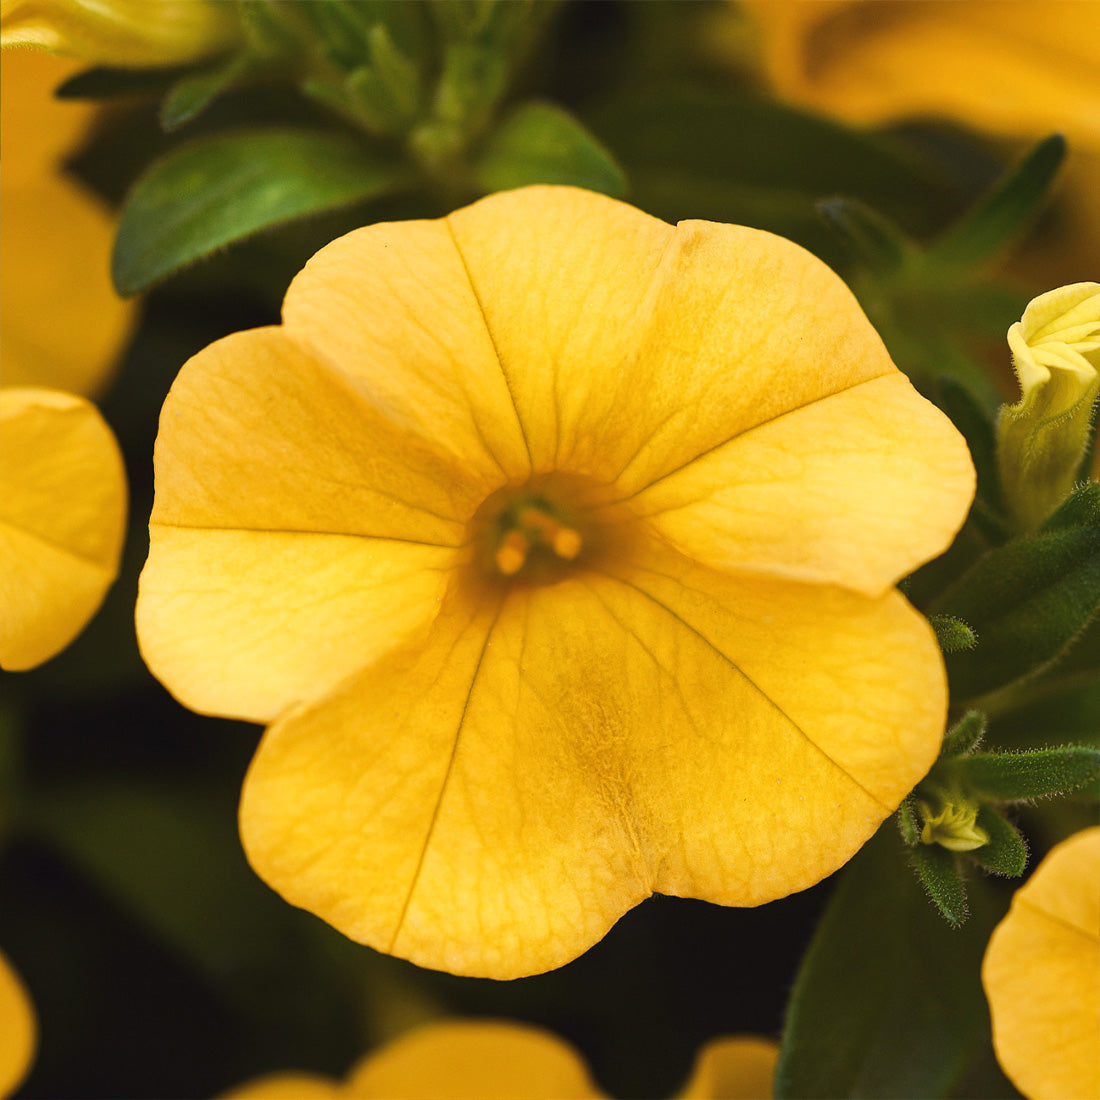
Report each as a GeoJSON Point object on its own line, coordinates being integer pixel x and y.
{"type": "Point", "coordinates": [558, 543]}
{"type": "Point", "coordinates": [62, 520]}
{"type": "Point", "coordinates": [64, 326]}
{"type": "Point", "coordinates": [1042, 439]}
{"type": "Point", "coordinates": [1040, 975]}
{"type": "Point", "coordinates": [1019, 69]}
{"type": "Point", "coordinates": [497, 1060]}
{"type": "Point", "coordinates": [1011, 67]}
{"type": "Point", "coordinates": [122, 32]}
{"type": "Point", "coordinates": [18, 1031]}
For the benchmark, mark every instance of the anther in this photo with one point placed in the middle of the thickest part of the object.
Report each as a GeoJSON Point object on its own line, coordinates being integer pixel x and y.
{"type": "Point", "coordinates": [511, 554]}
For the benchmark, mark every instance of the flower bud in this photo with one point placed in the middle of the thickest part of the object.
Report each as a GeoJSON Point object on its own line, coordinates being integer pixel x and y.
{"type": "Point", "coordinates": [133, 33]}
{"type": "Point", "coordinates": [953, 824]}
{"type": "Point", "coordinates": [1041, 441]}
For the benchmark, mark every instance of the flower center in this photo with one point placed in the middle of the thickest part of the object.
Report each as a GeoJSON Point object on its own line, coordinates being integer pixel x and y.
{"type": "Point", "coordinates": [532, 527]}
{"type": "Point", "coordinates": [546, 530]}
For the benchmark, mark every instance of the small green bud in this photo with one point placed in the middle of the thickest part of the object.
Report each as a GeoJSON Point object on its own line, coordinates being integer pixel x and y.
{"type": "Point", "coordinates": [1041, 441]}
{"type": "Point", "coordinates": [953, 825]}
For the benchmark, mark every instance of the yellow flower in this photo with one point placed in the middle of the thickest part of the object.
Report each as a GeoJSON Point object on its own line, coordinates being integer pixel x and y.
{"type": "Point", "coordinates": [62, 519]}
{"type": "Point", "coordinates": [497, 1060]}
{"type": "Point", "coordinates": [1040, 975]}
{"type": "Point", "coordinates": [559, 543]}
{"type": "Point", "coordinates": [1042, 440]}
{"type": "Point", "coordinates": [64, 326]}
{"type": "Point", "coordinates": [18, 1031]}
{"type": "Point", "coordinates": [122, 32]}
{"type": "Point", "coordinates": [1018, 68]}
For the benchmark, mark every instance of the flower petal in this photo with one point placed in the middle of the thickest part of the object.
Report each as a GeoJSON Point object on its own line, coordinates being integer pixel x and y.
{"type": "Point", "coordinates": [563, 277]}
{"type": "Point", "coordinates": [62, 520]}
{"type": "Point", "coordinates": [391, 305]}
{"type": "Point", "coordinates": [491, 801]}
{"type": "Point", "coordinates": [1040, 973]}
{"type": "Point", "coordinates": [246, 623]}
{"type": "Point", "coordinates": [18, 1029]}
{"type": "Point", "coordinates": [734, 1067]}
{"type": "Point", "coordinates": [474, 1060]}
{"type": "Point", "coordinates": [856, 489]}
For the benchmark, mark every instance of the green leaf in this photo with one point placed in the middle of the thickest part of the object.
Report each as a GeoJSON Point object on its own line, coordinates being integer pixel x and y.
{"type": "Point", "coordinates": [1002, 215]}
{"type": "Point", "coordinates": [938, 871]}
{"type": "Point", "coordinates": [875, 240]}
{"type": "Point", "coordinates": [1017, 776]}
{"type": "Point", "coordinates": [973, 419]}
{"type": "Point", "coordinates": [909, 823]}
{"type": "Point", "coordinates": [221, 189]}
{"type": "Point", "coordinates": [541, 143]}
{"type": "Point", "coordinates": [1006, 852]}
{"type": "Point", "coordinates": [952, 634]}
{"type": "Point", "coordinates": [1027, 601]}
{"type": "Point", "coordinates": [194, 93]}
{"type": "Point", "coordinates": [888, 1001]}
{"type": "Point", "coordinates": [1080, 509]}
{"type": "Point", "coordinates": [965, 734]}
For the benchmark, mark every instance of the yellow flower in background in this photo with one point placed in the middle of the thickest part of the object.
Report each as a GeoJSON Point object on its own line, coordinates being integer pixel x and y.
{"type": "Point", "coordinates": [18, 1030]}
{"type": "Point", "coordinates": [1040, 976]}
{"type": "Point", "coordinates": [1018, 69]}
{"type": "Point", "coordinates": [62, 520]}
{"type": "Point", "coordinates": [558, 544]}
{"type": "Point", "coordinates": [498, 1060]}
{"type": "Point", "coordinates": [64, 326]}
{"type": "Point", "coordinates": [1042, 440]}
{"type": "Point", "coordinates": [122, 32]}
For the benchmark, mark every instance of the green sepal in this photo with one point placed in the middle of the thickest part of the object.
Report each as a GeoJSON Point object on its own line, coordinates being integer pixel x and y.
{"type": "Point", "coordinates": [1020, 776]}
{"type": "Point", "coordinates": [888, 1000]}
{"type": "Point", "coordinates": [1027, 601]}
{"type": "Point", "coordinates": [1080, 509]}
{"type": "Point", "coordinates": [195, 92]}
{"type": "Point", "coordinates": [938, 872]}
{"type": "Point", "coordinates": [965, 735]}
{"type": "Point", "coordinates": [1006, 852]}
{"type": "Point", "coordinates": [909, 822]}
{"type": "Point", "coordinates": [952, 634]}
{"type": "Point", "coordinates": [997, 219]}
{"type": "Point", "coordinates": [217, 190]}
{"type": "Point", "coordinates": [873, 239]}
{"type": "Point", "coordinates": [541, 143]}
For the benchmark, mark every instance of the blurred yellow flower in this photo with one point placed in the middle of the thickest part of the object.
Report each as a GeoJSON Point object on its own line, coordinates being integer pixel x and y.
{"type": "Point", "coordinates": [64, 326]}
{"type": "Point", "coordinates": [1018, 69]}
{"type": "Point", "coordinates": [1042, 440]}
{"type": "Point", "coordinates": [122, 32]}
{"type": "Point", "coordinates": [18, 1031]}
{"type": "Point", "coordinates": [62, 520]}
{"type": "Point", "coordinates": [498, 1060]}
{"type": "Point", "coordinates": [1040, 975]}
{"type": "Point", "coordinates": [559, 544]}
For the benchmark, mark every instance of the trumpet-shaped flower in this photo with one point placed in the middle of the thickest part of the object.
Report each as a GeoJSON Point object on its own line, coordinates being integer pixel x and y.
{"type": "Point", "coordinates": [121, 32]}
{"type": "Point", "coordinates": [1020, 68]}
{"type": "Point", "coordinates": [64, 326]}
{"type": "Point", "coordinates": [498, 1060]}
{"type": "Point", "coordinates": [1042, 439]}
{"type": "Point", "coordinates": [18, 1030]}
{"type": "Point", "coordinates": [558, 544]}
{"type": "Point", "coordinates": [1040, 976]}
{"type": "Point", "coordinates": [62, 520]}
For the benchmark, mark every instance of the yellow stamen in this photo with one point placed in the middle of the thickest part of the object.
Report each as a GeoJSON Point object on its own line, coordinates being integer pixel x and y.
{"type": "Point", "coordinates": [566, 543]}
{"type": "Point", "coordinates": [512, 553]}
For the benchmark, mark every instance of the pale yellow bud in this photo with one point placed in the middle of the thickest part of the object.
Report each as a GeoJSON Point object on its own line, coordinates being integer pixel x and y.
{"type": "Point", "coordinates": [954, 827]}
{"type": "Point", "coordinates": [1041, 441]}
{"type": "Point", "coordinates": [127, 33]}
